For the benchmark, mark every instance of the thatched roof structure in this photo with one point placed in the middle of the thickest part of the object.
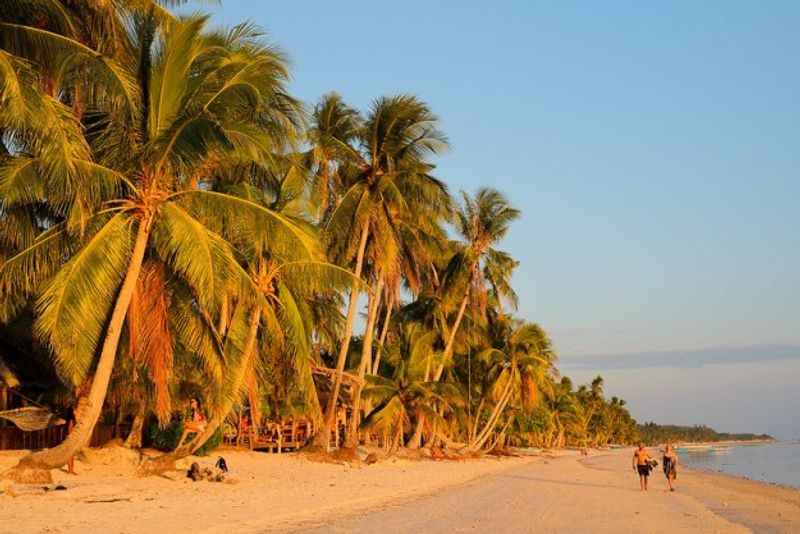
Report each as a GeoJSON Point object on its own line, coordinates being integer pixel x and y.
{"type": "Point", "coordinates": [323, 378]}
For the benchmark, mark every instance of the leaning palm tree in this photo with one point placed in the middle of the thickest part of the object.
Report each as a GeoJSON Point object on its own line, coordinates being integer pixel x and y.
{"type": "Point", "coordinates": [132, 187]}
{"type": "Point", "coordinates": [383, 173]}
{"type": "Point", "coordinates": [406, 393]}
{"type": "Point", "coordinates": [517, 368]}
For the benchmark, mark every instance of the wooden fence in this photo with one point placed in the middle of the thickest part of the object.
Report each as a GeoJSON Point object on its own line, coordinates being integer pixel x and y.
{"type": "Point", "coordinates": [12, 437]}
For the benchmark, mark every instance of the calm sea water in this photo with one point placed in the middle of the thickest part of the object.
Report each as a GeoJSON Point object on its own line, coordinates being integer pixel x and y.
{"type": "Point", "coordinates": [776, 462]}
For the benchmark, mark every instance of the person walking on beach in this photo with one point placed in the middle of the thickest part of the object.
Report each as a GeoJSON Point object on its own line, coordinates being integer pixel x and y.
{"type": "Point", "coordinates": [641, 465]}
{"type": "Point", "coordinates": [670, 463]}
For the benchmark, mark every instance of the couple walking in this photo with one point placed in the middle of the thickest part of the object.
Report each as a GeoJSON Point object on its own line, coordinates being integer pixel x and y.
{"type": "Point", "coordinates": [643, 463]}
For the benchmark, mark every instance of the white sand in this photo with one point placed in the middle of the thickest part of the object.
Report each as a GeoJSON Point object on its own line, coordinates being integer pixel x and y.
{"type": "Point", "coordinates": [281, 492]}
{"type": "Point", "coordinates": [271, 491]}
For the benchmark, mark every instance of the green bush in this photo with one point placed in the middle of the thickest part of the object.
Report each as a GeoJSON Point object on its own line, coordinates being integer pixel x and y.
{"type": "Point", "coordinates": [165, 439]}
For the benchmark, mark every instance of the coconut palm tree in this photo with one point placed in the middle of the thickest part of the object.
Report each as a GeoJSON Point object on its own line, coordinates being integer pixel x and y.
{"type": "Point", "coordinates": [383, 173]}
{"type": "Point", "coordinates": [281, 321]}
{"type": "Point", "coordinates": [406, 392]}
{"type": "Point", "coordinates": [131, 186]}
{"type": "Point", "coordinates": [482, 221]}
{"type": "Point", "coordinates": [518, 363]}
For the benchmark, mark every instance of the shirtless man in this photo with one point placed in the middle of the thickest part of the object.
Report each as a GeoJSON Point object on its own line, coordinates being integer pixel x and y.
{"type": "Point", "coordinates": [641, 465]}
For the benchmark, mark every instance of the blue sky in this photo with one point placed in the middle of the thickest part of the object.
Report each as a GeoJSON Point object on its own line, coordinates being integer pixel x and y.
{"type": "Point", "coordinates": [652, 147]}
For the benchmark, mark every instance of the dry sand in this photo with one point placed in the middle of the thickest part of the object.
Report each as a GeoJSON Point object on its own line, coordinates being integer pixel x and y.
{"type": "Point", "coordinates": [287, 492]}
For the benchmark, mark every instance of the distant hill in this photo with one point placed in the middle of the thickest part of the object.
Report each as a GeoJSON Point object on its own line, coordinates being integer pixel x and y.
{"type": "Point", "coordinates": [652, 434]}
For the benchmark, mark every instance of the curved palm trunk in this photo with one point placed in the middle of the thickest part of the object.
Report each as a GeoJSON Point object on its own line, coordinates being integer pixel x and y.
{"type": "Point", "coordinates": [323, 437]}
{"type": "Point", "coordinates": [448, 349]}
{"type": "Point", "coordinates": [134, 439]}
{"type": "Point", "coordinates": [91, 403]}
{"type": "Point", "coordinates": [501, 437]}
{"type": "Point", "coordinates": [239, 382]}
{"type": "Point", "coordinates": [382, 339]}
{"type": "Point", "coordinates": [416, 441]}
{"type": "Point", "coordinates": [167, 461]}
{"type": "Point", "coordinates": [366, 360]}
{"type": "Point", "coordinates": [479, 441]}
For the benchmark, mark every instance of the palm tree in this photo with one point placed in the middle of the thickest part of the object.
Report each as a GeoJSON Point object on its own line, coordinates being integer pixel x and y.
{"type": "Point", "coordinates": [281, 320]}
{"type": "Point", "coordinates": [383, 174]}
{"type": "Point", "coordinates": [482, 221]}
{"type": "Point", "coordinates": [406, 392]}
{"type": "Point", "coordinates": [130, 188]}
{"type": "Point", "coordinates": [517, 364]}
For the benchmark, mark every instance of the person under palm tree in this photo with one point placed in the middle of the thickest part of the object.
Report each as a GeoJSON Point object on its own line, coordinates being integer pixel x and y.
{"type": "Point", "coordinates": [196, 422]}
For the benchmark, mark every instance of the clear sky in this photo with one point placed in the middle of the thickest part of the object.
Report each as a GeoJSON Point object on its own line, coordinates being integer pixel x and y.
{"type": "Point", "coordinates": [653, 148]}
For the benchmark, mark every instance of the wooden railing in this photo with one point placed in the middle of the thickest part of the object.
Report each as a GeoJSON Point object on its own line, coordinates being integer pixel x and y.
{"type": "Point", "coordinates": [12, 438]}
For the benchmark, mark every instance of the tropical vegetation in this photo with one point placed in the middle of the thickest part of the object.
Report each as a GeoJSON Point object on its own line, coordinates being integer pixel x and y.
{"type": "Point", "coordinates": [174, 224]}
{"type": "Point", "coordinates": [654, 434]}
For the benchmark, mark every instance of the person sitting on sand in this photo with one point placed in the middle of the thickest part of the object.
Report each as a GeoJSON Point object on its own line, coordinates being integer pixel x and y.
{"type": "Point", "coordinates": [641, 465]}
{"type": "Point", "coordinates": [196, 423]}
{"type": "Point", "coordinates": [670, 463]}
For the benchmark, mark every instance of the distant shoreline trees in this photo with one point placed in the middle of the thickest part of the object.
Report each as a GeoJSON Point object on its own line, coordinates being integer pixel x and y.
{"type": "Point", "coordinates": [655, 434]}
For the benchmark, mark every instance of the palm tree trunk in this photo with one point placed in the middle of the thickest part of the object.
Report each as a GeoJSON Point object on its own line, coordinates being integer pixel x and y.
{"type": "Point", "coordinates": [474, 429]}
{"type": "Point", "coordinates": [384, 331]}
{"type": "Point", "coordinates": [501, 436]}
{"type": "Point", "coordinates": [323, 437]}
{"type": "Point", "coordinates": [448, 349]}
{"type": "Point", "coordinates": [255, 405]}
{"type": "Point", "coordinates": [366, 359]}
{"type": "Point", "coordinates": [238, 385]}
{"type": "Point", "coordinates": [91, 404]}
{"type": "Point", "coordinates": [448, 352]}
{"type": "Point", "coordinates": [134, 439]}
{"type": "Point", "coordinates": [492, 422]}
{"type": "Point", "coordinates": [167, 461]}
{"type": "Point", "coordinates": [415, 441]}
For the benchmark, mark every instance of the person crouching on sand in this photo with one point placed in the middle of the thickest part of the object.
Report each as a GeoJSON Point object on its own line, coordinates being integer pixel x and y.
{"type": "Point", "coordinates": [196, 422]}
{"type": "Point", "coordinates": [641, 465]}
{"type": "Point", "coordinates": [670, 464]}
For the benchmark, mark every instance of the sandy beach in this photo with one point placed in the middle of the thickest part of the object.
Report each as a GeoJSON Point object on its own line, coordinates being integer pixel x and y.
{"type": "Point", "coordinates": [553, 493]}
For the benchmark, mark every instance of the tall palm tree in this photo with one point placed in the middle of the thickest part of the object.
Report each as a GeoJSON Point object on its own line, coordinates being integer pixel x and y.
{"type": "Point", "coordinates": [383, 173]}
{"type": "Point", "coordinates": [131, 187]}
{"type": "Point", "coordinates": [482, 221]}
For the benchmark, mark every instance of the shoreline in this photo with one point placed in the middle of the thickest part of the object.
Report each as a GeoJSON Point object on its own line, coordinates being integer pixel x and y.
{"type": "Point", "coordinates": [755, 504]}
{"type": "Point", "coordinates": [758, 505]}
{"type": "Point", "coordinates": [289, 492]}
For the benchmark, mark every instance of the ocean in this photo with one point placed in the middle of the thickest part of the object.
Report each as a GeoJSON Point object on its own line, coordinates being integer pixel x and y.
{"type": "Point", "coordinates": [774, 462]}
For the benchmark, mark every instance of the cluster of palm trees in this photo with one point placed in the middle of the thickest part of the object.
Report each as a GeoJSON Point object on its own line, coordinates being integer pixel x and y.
{"type": "Point", "coordinates": [173, 222]}
{"type": "Point", "coordinates": [579, 417]}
